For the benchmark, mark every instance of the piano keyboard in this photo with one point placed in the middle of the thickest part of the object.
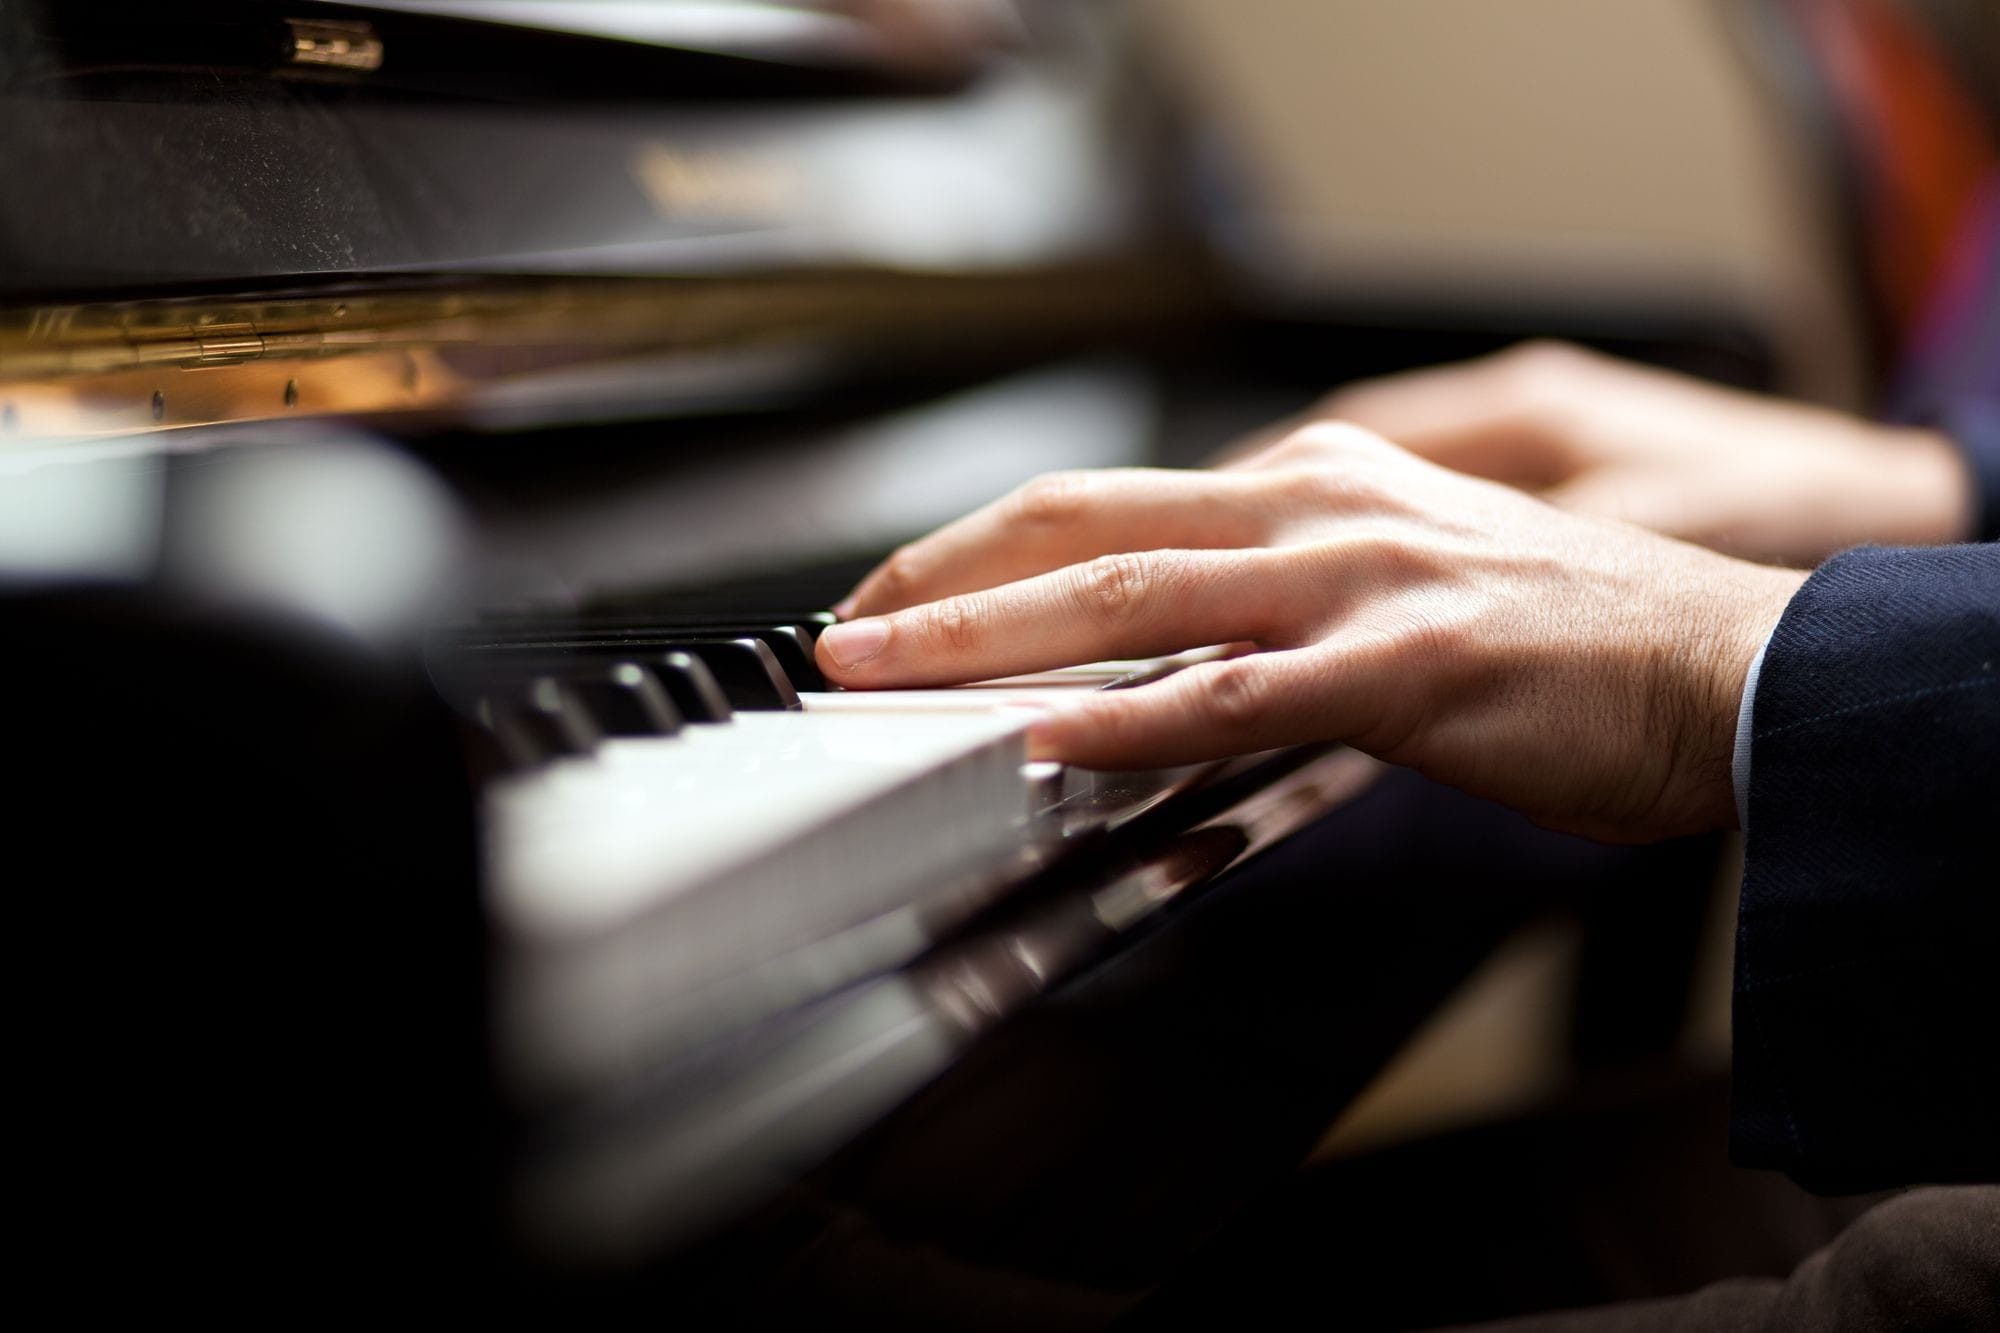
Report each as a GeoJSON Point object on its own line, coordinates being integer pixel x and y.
{"type": "Point", "coordinates": [721, 950]}
{"type": "Point", "coordinates": [689, 816]}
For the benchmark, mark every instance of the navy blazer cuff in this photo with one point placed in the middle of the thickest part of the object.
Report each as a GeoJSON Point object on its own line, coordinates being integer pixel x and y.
{"type": "Point", "coordinates": [1867, 989]}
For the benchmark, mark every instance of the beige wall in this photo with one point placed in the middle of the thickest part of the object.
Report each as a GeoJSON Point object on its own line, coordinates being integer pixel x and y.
{"type": "Point", "coordinates": [1562, 149]}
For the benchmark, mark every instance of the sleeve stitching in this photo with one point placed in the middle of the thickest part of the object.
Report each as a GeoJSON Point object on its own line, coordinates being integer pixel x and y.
{"type": "Point", "coordinates": [1972, 683]}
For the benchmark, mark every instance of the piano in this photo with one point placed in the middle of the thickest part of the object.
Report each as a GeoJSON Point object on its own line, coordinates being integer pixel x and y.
{"type": "Point", "coordinates": [430, 434]}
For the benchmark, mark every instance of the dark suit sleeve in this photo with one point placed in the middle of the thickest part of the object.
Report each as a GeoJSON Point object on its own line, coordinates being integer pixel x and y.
{"type": "Point", "coordinates": [1867, 1000]}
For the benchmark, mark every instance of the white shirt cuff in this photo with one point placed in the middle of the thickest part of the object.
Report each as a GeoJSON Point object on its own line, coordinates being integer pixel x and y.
{"type": "Point", "coordinates": [1740, 765]}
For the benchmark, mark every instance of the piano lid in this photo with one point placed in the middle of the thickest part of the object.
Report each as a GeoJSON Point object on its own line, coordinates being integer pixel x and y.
{"type": "Point", "coordinates": [152, 169]}
{"type": "Point", "coordinates": [938, 39]}
{"type": "Point", "coordinates": [515, 48]}
{"type": "Point", "coordinates": [227, 242]}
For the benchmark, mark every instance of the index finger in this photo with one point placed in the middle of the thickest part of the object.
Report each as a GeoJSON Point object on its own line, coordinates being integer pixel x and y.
{"type": "Point", "coordinates": [1061, 519]}
{"type": "Point", "coordinates": [1142, 604]}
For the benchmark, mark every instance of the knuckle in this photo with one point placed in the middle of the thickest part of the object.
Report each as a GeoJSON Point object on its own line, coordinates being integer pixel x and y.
{"type": "Point", "coordinates": [1055, 498]}
{"type": "Point", "coordinates": [900, 575]}
{"type": "Point", "coordinates": [1385, 557]}
{"type": "Point", "coordinates": [1355, 485]}
{"type": "Point", "coordinates": [1318, 444]}
{"type": "Point", "coordinates": [951, 625]}
{"type": "Point", "coordinates": [1541, 372]}
{"type": "Point", "coordinates": [1333, 488]}
{"type": "Point", "coordinates": [1398, 556]}
{"type": "Point", "coordinates": [1395, 550]}
{"type": "Point", "coordinates": [1297, 447]}
{"type": "Point", "coordinates": [1336, 439]}
{"type": "Point", "coordinates": [1547, 355]}
{"type": "Point", "coordinates": [1428, 637]}
{"type": "Point", "coordinates": [1115, 587]}
{"type": "Point", "coordinates": [1230, 697]}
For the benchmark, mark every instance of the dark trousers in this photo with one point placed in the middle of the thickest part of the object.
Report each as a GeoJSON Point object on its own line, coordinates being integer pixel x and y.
{"type": "Point", "coordinates": [1927, 1259]}
{"type": "Point", "coordinates": [1618, 1215]}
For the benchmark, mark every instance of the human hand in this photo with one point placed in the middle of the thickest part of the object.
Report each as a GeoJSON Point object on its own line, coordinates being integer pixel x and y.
{"type": "Point", "coordinates": [1581, 670]}
{"type": "Point", "coordinates": [1756, 477]}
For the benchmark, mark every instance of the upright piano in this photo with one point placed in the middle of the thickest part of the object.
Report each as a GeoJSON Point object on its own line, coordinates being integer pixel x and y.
{"type": "Point", "coordinates": [430, 436]}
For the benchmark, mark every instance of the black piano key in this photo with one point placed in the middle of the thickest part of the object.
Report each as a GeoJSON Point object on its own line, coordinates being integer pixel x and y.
{"type": "Point", "coordinates": [626, 699]}
{"type": "Point", "coordinates": [813, 622]}
{"type": "Point", "coordinates": [691, 686]}
{"type": "Point", "coordinates": [791, 640]}
{"type": "Point", "coordinates": [791, 645]}
{"type": "Point", "coordinates": [753, 674]}
{"type": "Point", "coordinates": [808, 623]}
{"type": "Point", "coordinates": [538, 722]}
{"type": "Point", "coordinates": [748, 672]}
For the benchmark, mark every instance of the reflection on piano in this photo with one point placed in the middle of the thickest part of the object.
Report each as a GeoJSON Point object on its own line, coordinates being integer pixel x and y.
{"type": "Point", "coordinates": [426, 446]}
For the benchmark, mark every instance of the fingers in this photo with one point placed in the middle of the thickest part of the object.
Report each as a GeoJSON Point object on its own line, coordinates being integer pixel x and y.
{"type": "Point", "coordinates": [1641, 498]}
{"type": "Point", "coordinates": [1521, 447]}
{"type": "Point", "coordinates": [1505, 417]}
{"type": "Point", "coordinates": [1062, 519]}
{"type": "Point", "coordinates": [1441, 398]}
{"type": "Point", "coordinates": [1129, 605]}
{"type": "Point", "coordinates": [1246, 448]}
{"type": "Point", "coordinates": [1317, 444]}
{"type": "Point", "coordinates": [1206, 712]}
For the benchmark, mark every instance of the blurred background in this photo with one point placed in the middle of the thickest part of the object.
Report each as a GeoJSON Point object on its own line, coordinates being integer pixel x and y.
{"type": "Point", "coordinates": [1668, 159]}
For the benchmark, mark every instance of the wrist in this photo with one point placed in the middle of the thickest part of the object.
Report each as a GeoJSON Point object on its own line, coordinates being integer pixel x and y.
{"type": "Point", "coordinates": [1734, 621]}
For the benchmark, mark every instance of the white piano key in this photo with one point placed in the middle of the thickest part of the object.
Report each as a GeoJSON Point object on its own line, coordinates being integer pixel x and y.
{"type": "Point", "coordinates": [581, 845]}
{"type": "Point", "coordinates": [984, 700]}
{"type": "Point", "coordinates": [646, 884]}
{"type": "Point", "coordinates": [637, 882]}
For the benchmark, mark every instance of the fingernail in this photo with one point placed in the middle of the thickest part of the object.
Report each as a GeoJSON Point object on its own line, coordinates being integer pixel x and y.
{"type": "Point", "coordinates": [853, 643]}
{"type": "Point", "coordinates": [844, 608]}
